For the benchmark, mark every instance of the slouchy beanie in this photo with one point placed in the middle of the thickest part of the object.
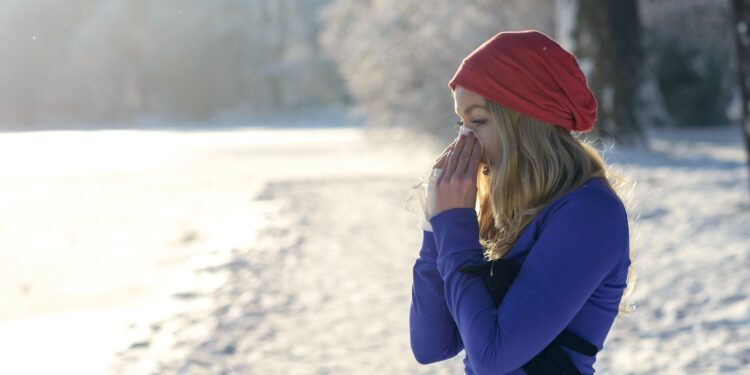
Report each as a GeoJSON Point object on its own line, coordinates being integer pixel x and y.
{"type": "Point", "coordinates": [529, 72]}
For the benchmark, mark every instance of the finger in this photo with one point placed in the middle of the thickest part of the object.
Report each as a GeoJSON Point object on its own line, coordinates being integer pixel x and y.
{"type": "Point", "coordinates": [450, 146]}
{"type": "Point", "coordinates": [445, 151]}
{"type": "Point", "coordinates": [445, 163]}
{"type": "Point", "coordinates": [455, 154]}
{"type": "Point", "coordinates": [474, 162]}
{"type": "Point", "coordinates": [446, 160]}
{"type": "Point", "coordinates": [465, 156]}
{"type": "Point", "coordinates": [441, 159]}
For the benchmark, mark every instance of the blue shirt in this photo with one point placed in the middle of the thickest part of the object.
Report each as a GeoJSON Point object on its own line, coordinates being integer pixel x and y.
{"type": "Point", "coordinates": [574, 258]}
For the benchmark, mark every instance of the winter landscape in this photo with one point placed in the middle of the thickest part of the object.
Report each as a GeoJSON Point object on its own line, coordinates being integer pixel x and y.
{"type": "Point", "coordinates": [221, 187]}
{"type": "Point", "coordinates": [290, 251]}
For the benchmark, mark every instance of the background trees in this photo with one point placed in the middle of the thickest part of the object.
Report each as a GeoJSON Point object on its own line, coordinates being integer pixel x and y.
{"type": "Point", "coordinates": [651, 63]}
{"type": "Point", "coordinates": [119, 60]}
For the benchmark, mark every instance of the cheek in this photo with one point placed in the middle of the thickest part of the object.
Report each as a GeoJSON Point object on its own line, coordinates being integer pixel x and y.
{"type": "Point", "coordinates": [488, 142]}
{"type": "Point", "coordinates": [490, 148]}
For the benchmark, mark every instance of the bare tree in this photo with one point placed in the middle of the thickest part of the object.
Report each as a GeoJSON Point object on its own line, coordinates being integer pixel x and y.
{"type": "Point", "coordinates": [608, 43]}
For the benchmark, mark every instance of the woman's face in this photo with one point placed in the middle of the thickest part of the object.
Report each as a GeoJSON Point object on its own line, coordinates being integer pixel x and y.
{"type": "Point", "coordinates": [470, 107]}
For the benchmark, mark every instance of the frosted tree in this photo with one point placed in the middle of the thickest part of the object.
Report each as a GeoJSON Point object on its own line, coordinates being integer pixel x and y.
{"type": "Point", "coordinates": [103, 60]}
{"type": "Point", "coordinates": [34, 36]}
{"type": "Point", "coordinates": [398, 56]}
{"type": "Point", "coordinates": [200, 59]}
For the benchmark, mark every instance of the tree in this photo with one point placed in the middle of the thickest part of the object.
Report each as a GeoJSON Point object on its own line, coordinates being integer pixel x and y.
{"type": "Point", "coordinates": [397, 57]}
{"type": "Point", "coordinates": [607, 42]}
{"type": "Point", "coordinates": [742, 35]}
{"type": "Point", "coordinates": [688, 50]}
{"type": "Point", "coordinates": [119, 60]}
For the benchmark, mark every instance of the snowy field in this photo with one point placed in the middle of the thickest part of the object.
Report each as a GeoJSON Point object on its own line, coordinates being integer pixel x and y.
{"type": "Point", "coordinates": [254, 251]}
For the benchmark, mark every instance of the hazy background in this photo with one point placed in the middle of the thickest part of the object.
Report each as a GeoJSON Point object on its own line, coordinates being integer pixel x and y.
{"type": "Point", "coordinates": [205, 187]}
{"type": "Point", "coordinates": [99, 62]}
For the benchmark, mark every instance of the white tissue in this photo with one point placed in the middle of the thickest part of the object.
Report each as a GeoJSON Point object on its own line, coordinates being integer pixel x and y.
{"type": "Point", "coordinates": [464, 130]}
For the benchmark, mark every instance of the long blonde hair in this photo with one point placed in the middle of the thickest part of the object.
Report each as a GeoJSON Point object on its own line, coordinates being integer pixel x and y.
{"type": "Point", "coordinates": [537, 163]}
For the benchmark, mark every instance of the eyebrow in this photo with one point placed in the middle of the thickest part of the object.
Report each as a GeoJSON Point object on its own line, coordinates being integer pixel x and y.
{"type": "Point", "coordinates": [469, 108]}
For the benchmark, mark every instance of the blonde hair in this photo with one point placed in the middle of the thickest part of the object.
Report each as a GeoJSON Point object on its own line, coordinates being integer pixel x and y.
{"type": "Point", "coordinates": [537, 163]}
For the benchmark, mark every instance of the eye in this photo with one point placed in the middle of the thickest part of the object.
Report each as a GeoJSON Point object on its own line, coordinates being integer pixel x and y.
{"type": "Point", "coordinates": [460, 123]}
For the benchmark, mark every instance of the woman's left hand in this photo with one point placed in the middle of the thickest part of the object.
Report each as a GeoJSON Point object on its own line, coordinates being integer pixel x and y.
{"type": "Point", "coordinates": [457, 185]}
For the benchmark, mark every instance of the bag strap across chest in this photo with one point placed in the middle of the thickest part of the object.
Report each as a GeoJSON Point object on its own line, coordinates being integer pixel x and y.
{"type": "Point", "coordinates": [498, 276]}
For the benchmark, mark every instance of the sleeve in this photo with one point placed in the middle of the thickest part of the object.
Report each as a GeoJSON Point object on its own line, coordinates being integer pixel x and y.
{"type": "Point", "coordinates": [578, 245]}
{"type": "Point", "coordinates": [433, 332]}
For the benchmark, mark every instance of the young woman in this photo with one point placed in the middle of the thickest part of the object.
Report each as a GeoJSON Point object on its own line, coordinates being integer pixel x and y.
{"type": "Point", "coordinates": [525, 256]}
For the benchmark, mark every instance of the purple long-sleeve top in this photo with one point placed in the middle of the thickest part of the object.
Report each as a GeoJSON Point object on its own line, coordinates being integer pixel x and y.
{"type": "Point", "coordinates": [574, 258]}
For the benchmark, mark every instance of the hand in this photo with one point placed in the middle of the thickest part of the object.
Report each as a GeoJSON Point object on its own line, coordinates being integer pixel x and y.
{"type": "Point", "coordinates": [444, 156]}
{"type": "Point", "coordinates": [428, 201]}
{"type": "Point", "coordinates": [457, 185]}
{"type": "Point", "coordinates": [426, 194]}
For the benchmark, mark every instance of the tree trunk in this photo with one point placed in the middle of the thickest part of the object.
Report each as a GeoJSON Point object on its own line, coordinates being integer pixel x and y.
{"type": "Point", "coordinates": [742, 34]}
{"type": "Point", "coordinates": [607, 40]}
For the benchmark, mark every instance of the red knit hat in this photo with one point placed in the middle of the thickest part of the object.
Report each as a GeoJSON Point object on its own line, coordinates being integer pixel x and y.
{"type": "Point", "coordinates": [527, 71]}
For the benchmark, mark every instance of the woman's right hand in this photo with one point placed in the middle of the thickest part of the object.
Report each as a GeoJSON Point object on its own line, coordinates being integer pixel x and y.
{"type": "Point", "coordinates": [429, 197]}
{"type": "Point", "coordinates": [444, 156]}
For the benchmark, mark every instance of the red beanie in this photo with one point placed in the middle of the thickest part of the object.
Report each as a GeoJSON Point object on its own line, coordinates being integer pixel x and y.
{"type": "Point", "coordinates": [527, 71]}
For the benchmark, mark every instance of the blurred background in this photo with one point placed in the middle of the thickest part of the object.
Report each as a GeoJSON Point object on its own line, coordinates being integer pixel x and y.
{"type": "Point", "coordinates": [214, 187]}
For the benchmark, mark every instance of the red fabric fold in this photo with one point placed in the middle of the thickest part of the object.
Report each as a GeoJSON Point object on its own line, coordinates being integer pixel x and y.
{"type": "Point", "coordinates": [529, 72]}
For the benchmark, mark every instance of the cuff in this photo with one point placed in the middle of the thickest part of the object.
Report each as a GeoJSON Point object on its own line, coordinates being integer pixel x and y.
{"type": "Point", "coordinates": [426, 226]}
{"type": "Point", "coordinates": [456, 233]}
{"type": "Point", "coordinates": [428, 251]}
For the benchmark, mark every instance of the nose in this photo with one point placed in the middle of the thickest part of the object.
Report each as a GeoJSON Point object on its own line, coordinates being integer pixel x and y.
{"type": "Point", "coordinates": [466, 130]}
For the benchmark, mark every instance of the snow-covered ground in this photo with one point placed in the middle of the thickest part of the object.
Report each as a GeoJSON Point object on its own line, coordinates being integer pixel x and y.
{"type": "Point", "coordinates": [290, 251]}
{"type": "Point", "coordinates": [693, 289]}
{"type": "Point", "coordinates": [99, 228]}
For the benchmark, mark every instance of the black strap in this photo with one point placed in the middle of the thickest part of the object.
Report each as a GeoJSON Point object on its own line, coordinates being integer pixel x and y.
{"type": "Point", "coordinates": [498, 275]}
{"type": "Point", "coordinates": [576, 343]}
{"type": "Point", "coordinates": [552, 360]}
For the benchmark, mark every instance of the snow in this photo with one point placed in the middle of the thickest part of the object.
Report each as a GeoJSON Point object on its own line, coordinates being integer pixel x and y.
{"type": "Point", "coordinates": [692, 291]}
{"type": "Point", "coordinates": [265, 250]}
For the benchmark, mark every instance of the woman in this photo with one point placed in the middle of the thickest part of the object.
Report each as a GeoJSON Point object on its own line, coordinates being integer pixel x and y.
{"type": "Point", "coordinates": [532, 280]}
